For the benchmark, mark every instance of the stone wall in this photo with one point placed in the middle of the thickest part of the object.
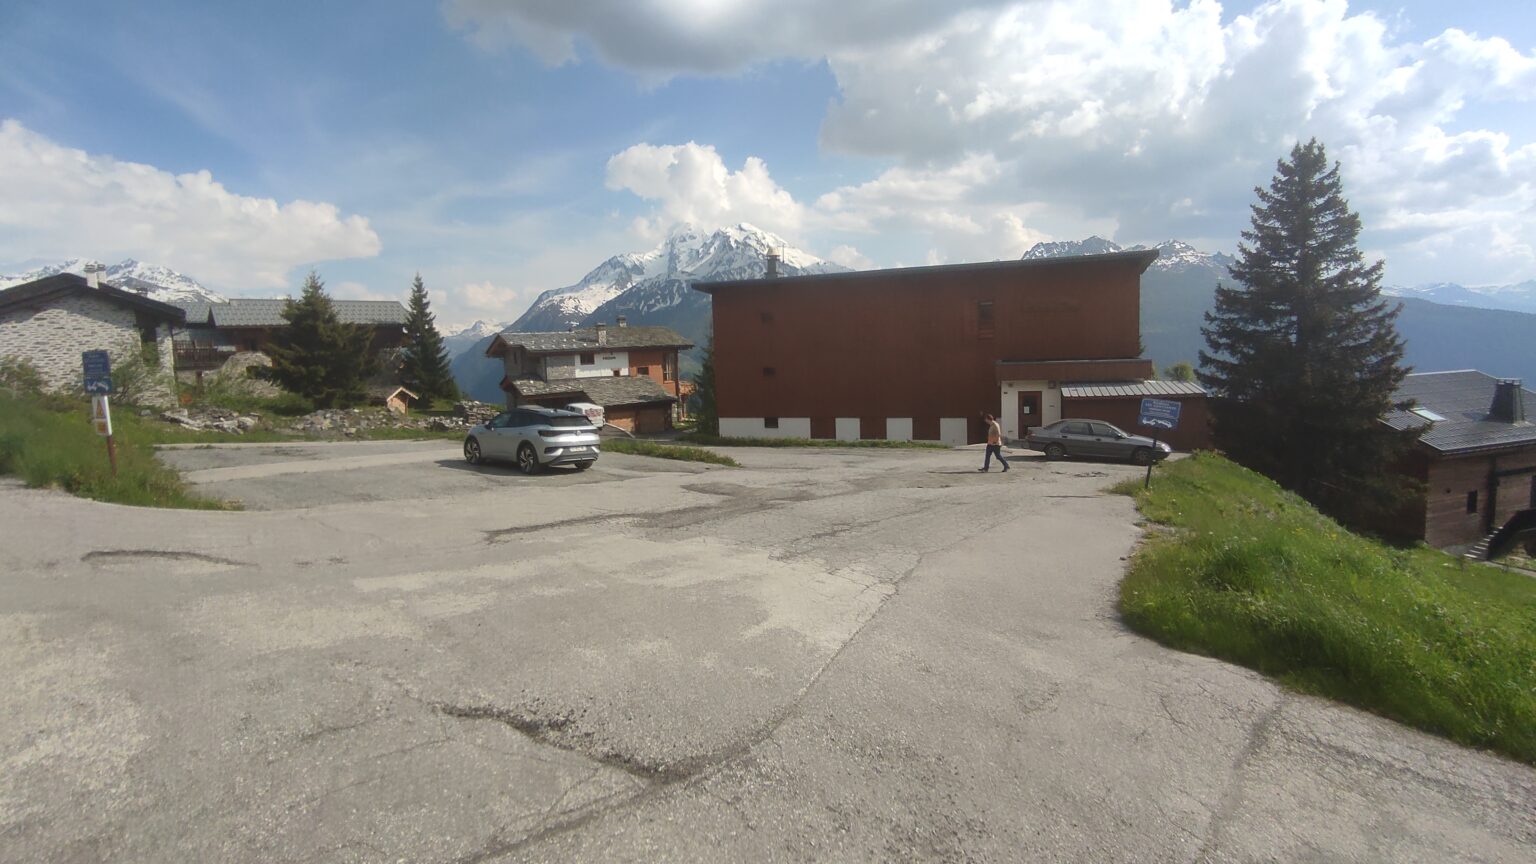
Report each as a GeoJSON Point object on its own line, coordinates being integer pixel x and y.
{"type": "Point", "coordinates": [52, 339]}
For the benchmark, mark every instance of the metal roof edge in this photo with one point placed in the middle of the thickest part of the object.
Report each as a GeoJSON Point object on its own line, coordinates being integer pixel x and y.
{"type": "Point", "coordinates": [1145, 256]}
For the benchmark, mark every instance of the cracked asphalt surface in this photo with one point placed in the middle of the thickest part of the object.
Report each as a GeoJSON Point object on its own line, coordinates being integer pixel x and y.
{"type": "Point", "coordinates": [821, 656]}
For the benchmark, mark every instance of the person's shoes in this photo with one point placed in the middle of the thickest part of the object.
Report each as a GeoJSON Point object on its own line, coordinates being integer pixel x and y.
{"type": "Point", "coordinates": [1005, 469]}
{"type": "Point", "coordinates": [981, 469]}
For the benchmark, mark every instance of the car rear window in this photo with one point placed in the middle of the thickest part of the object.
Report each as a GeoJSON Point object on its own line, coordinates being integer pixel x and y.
{"type": "Point", "coordinates": [562, 421]}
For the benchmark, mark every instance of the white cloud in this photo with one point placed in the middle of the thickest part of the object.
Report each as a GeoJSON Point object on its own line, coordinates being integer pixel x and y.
{"type": "Point", "coordinates": [61, 202]}
{"type": "Point", "coordinates": [850, 257]}
{"type": "Point", "coordinates": [486, 299]}
{"type": "Point", "coordinates": [691, 183]}
{"type": "Point", "coordinates": [1152, 117]}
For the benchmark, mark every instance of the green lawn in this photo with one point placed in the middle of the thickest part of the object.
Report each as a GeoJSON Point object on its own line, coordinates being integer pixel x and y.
{"type": "Point", "coordinates": [666, 451]}
{"type": "Point", "coordinates": [1252, 574]}
{"type": "Point", "coordinates": [49, 442]}
{"type": "Point", "coordinates": [726, 441]}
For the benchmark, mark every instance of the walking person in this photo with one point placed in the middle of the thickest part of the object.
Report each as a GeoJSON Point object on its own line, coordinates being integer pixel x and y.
{"type": "Point", "coordinates": [994, 444]}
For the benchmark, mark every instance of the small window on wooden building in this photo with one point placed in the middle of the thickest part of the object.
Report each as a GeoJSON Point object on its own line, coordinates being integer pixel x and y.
{"type": "Point", "coordinates": [587, 359]}
{"type": "Point", "coordinates": [668, 370]}
{"type": "Point", "coordinates": [770, 422]}
{"type": "Point", "coordinates": [984, 325]}
{"type": "Point", "coordinates": [769, 371]}
{"type": "Point", "coordinates": [1472, 501]}
{"type": "Point", "coordinates": [643, 370]}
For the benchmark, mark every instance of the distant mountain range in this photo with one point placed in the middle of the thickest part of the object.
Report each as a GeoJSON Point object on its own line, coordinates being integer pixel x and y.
{"type": "Point", "coordinates": [151, 280]}
{"type": "Point", "coordinates": [1445, 326]}
{"type": "Point", "coordinates": [648, 288]}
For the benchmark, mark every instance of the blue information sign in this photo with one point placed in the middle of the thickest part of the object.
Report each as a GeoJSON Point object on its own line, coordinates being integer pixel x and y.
{"type": "Point", "coordinates": [1160, 413]}
{"type": "Point", "coordinates": [98, 372]}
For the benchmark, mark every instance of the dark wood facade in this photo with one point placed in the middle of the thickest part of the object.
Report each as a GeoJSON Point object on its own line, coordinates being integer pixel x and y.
{"type": "Point", "coordinates": [1467, 496]}
{"type": "Point", "coordinates": [923, 343]}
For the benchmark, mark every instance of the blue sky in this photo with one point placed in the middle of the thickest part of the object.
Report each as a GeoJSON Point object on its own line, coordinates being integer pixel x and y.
{"type": "Point", "coordinates": [502, 148]}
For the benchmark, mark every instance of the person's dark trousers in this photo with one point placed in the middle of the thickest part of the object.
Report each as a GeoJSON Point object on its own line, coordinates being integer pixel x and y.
{"type": "Point", "coordinates": [994, 450]}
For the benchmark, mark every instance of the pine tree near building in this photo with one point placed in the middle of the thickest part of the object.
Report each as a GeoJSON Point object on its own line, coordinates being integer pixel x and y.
{"type": "Point", "coordinates": [1304, 354]}
{"type": "Point", "coordinates": [707, 414]}
{"type": "Point", "coordinates": [317, 356]}
{"type": "Point", "coordinates": [424, 360]}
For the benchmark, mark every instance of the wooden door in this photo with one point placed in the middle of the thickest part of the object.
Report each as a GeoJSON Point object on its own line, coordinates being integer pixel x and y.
{"type": "Point", "coordinates": [1029, 411]}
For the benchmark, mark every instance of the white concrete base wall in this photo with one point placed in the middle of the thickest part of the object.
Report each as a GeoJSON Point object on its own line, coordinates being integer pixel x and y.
{"type": "Point", "coordinates": [847, 428]}
{"type": "Point", "coordinates": [952, 430]}
{"type": "Point", "coordinates": [1008, 411]}
{"type": "Point", "coordinates": [898, 428]}
{"type": "Point", "coordinates": [752, 427]}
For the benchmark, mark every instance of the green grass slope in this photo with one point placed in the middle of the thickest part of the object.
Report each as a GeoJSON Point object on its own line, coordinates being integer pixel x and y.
{"type": "Point", "coordinates": [1252, 574]}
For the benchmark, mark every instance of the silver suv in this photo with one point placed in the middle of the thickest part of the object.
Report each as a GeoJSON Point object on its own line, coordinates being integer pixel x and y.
{"type": "Point", "coordinates": [534, 438]}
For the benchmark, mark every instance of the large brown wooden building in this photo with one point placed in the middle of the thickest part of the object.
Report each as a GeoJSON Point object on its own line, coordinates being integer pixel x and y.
{"type": "Point", "coordinates": [918, 353]}
{"type": "Point", "coordinates": [1476, 456]}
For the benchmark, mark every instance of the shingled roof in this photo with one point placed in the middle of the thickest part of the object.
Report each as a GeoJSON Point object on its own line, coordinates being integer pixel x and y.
{"type": "Point", "coordinates": [609, 392]}
{"type": "Point", "coordinates": [584, 340]}
{"type": "Point", "coordinates": [42, 290]}
{"type": "Point", "coordinates": [1461, 401]}
{"type": "Point", "coordinates": [269, 313]}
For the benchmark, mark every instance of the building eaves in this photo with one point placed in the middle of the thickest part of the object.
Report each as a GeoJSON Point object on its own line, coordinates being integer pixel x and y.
{"type": "Point", "coordinates": [1142, 257]}
{"type": "Point", "coordinates": [263, 312]}
{"type": "Point", "coordinates": [1462, 398]}
{"type": "Point", "coordinates": [609, 392]}
{"type": "Point", "coordinates": [42, 290]}
{"type": "Point", "coordinates": [584, 340]}
{"type": "Point", "coordinates": [1122, 389]}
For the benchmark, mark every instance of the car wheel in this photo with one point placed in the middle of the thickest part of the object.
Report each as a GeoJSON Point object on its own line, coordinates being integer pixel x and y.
{"type": "Point", "coordinates": [1141, 456]}
{"type": "Point", "coordinates": [527, 460]}
{"type": "Point", "coordinates": [472, 451]}
{"type": "Point", "coordinates": [582, 466]}
{"type": "Point", "coordinates": [1055, 451]}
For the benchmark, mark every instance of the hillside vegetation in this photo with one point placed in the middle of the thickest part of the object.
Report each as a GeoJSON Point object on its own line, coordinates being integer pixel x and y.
{"type": "Point", "coordinates": [1252, 574]}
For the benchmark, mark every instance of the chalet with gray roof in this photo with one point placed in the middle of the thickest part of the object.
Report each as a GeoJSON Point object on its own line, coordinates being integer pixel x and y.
{"type": "Point", "coordinates": [216, 331]}
{"type": "Point", "coordinates": [632, 372]}
{"type": "Point", "coordinates": [49, 322]}
{"type": "Point", "coordinates": [1476, 454]}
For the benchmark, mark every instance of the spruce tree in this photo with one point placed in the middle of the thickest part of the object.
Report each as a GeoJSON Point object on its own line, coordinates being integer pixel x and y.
{"type": "Point", "coordinates": [1304, 354]}
{"type": "Point", "coordinates": [424, 360]}
{"type": "Point", "coordinates": [317, 356]}
{"type": "Point", "coordinates": [707, 416]}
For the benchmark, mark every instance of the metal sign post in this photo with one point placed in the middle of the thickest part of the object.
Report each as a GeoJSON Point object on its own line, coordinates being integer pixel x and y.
{"type": "Point", "coordinates": [1158, 414]}
{"type": "Point", "coordinates": [98, 383]}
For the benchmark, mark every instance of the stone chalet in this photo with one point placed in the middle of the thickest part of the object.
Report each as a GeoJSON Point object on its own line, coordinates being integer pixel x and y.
{"type": "Point", "coordinates": [630, 371]}
{"type": "Point", "coordinates": [1476, 456]}
{"type": "Point", "coordinates": [49, 322]}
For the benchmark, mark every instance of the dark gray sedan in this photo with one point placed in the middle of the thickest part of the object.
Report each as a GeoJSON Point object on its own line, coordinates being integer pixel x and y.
{"type": "Point", "coordinates": [1095, 439]}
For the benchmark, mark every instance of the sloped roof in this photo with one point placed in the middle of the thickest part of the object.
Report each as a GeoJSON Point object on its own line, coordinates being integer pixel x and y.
{"type": "Point", "coordinates": [609, 392]}
{"type": "Point", "coordinates": [238, 312]}
{"type": "Point", "coordinates": [1103, 389]}
{"type": "Point", "coordinates": [584, 340]}
{"type": "Point", "coordinates": [49, 287]}
{"type": "Point", "coordinates": [1463, 399]}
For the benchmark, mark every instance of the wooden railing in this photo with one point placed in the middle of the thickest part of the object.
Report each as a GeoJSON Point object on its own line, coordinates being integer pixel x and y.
{"type": "Point", "coordinates": [200, 357]}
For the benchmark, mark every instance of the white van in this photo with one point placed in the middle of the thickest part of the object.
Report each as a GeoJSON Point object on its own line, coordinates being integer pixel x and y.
{"type": "Point", "coordinates": [593, 412]}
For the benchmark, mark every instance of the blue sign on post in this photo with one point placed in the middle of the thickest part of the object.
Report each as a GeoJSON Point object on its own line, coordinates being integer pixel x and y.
{"type": "Point", "coordinates": [1160, 413]}
{"type": "Point", "coordinates": [98, 372]}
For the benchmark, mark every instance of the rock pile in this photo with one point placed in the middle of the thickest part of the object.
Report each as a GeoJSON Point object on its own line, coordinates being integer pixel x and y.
{"type": "Point", "coordinates": [472, 412]}
{"type": "Point", "coordinates": [212, 420]}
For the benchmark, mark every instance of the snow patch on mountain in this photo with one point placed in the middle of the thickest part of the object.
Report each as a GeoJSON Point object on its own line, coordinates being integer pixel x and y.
{"type": "Point", "coordinates": [151, 280]}
{"type": "Point", "coordinates": [1171, 254]}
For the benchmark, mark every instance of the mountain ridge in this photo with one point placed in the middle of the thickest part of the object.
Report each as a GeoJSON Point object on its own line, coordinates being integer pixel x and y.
{"type": "Point", "coordinates": [151, 280]}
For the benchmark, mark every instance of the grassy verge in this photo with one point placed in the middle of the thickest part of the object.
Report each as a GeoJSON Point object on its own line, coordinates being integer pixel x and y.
{"type": "Point", "coordinates": [1254, 575]}
{"type": "Point", "coordinates": [50, 443]}
{"type": "Point", "coordinates": [666, 451]}
{"type": "Point", "coordinates": [726, 441]}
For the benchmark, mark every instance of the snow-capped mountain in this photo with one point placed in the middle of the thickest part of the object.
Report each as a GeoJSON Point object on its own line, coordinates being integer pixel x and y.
{"type": "Point", "coordinates": [1173, 255]}
{"type": "Point", "coordinates": [658, 279]}
{"type": "Point", "coordinates": [456, 339]}
{"type": "Point", "coordinates": [151, 280]}
{"type": "Point", "coordinates": [1520, 297]}
{"type": "Point", "coordinates": [647, 288]}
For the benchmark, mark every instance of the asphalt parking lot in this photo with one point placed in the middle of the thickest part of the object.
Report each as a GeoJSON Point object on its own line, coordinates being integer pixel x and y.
{"type": "Point", "coordinates": [823, 655]}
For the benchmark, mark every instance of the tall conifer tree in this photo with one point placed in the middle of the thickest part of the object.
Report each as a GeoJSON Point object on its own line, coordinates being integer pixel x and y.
{"type": "Point", "coordinates": [317, 356]}
{"type": "Point", "coordinates": [1304, 354]}
{"type": "Point", "coordinates": [424, 360]}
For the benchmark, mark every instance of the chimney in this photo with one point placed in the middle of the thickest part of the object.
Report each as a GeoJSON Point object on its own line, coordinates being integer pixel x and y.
{"type": "Point", "coordinates": [602, 335]}
{"type": "Point", "coordinates": [1508, 402]}
{"type": "Point", "coordinates": [93, 274]}
{"type": "Point", "coordinates": [772, 260]}
{"type": "Point", "coordinates": [623, 322]}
